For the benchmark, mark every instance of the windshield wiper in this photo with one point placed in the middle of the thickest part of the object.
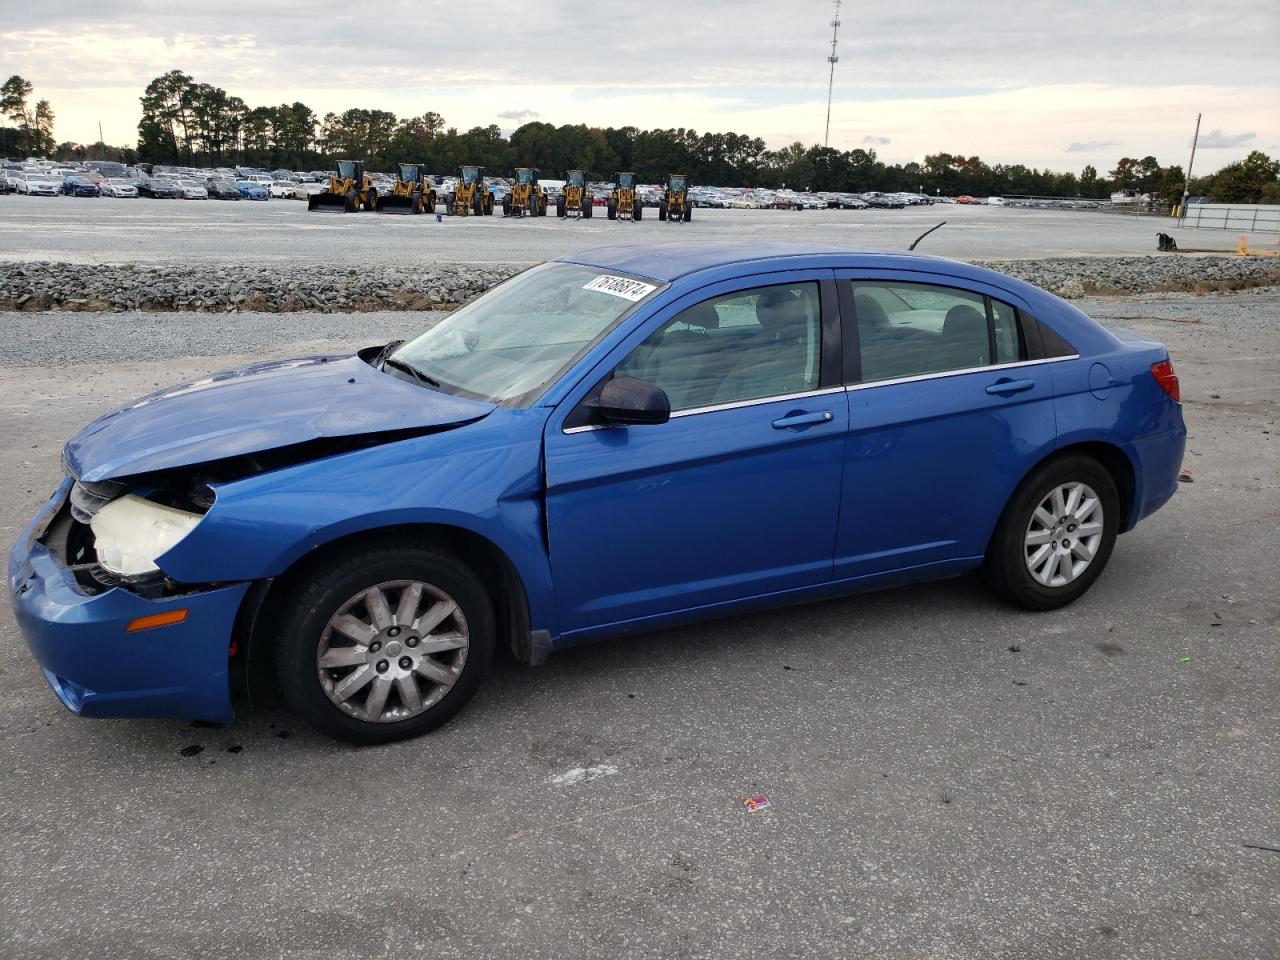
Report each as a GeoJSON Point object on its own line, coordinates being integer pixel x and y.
{"type": "Point", "coordinates": [411, 370]}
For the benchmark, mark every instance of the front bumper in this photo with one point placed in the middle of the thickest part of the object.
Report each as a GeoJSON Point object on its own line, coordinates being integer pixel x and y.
{"type": "Point", "coordinates": [98, 669]}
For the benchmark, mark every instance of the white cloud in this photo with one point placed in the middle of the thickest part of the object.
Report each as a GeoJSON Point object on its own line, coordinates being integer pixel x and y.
{"type": "Point", "coordinates": [974, 80]}
{"type": "Point", "coordinates": [1219, 140]}
{"type": "Point", "coordinates": [880, 141]}
{"type": "Point", "coordinates": [1092, 146]}
{"type": "Point", "coordinates": [518, 115]}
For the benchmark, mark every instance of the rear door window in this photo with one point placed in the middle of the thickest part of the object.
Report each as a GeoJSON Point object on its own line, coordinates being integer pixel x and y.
{"type": "Point", "coordinates": [918, 329]}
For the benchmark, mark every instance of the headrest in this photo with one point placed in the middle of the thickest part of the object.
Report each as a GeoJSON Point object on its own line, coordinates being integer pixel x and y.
{"type": "Point", "coordinates": [701, 315]}
{"type": "Point", "coordinates": [869, 312]}
{"type": "Point", "coordinates": [964, 320]}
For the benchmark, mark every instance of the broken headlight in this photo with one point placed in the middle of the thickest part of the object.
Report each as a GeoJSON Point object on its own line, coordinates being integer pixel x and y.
{"type": "Point", "coordinates": [131, 533]}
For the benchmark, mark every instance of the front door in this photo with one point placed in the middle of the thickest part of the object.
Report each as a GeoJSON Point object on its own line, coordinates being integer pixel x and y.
{"type": "Point", "coordinates": [737, 495]}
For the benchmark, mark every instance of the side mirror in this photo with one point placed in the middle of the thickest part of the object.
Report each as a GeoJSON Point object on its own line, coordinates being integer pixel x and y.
{"type": "Point", "coordinates": [627, 400]}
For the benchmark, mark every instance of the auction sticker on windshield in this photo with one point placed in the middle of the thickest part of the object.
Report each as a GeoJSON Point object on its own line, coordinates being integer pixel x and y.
{"type": "Point", "coordinates": [623, 287]}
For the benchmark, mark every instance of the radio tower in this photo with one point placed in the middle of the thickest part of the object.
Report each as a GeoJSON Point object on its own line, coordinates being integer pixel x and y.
{"type": "Point", "coordinates": [833, 60]}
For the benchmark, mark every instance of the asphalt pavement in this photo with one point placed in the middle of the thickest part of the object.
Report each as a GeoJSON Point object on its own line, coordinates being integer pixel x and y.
{"type": "Point", "coordinates": [102, 230]}
{"type": "Point", "coordinates": [948, 777]}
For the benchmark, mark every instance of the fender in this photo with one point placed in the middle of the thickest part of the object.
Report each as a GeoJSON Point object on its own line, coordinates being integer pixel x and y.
{"type": "Point", "coordinates": [485, 478]}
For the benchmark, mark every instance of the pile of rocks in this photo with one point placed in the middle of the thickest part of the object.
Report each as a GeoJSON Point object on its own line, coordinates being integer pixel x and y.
{"type": "Point", "coordinates": [298, 286]}
{"type": "Point", "coordinates": [211, 287]}
{"type": "Point", "coordinates": [1073, 277]}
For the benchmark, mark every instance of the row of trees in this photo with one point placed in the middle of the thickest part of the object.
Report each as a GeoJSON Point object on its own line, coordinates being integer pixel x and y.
{"type": "Point", "coordinates": [198, 124]}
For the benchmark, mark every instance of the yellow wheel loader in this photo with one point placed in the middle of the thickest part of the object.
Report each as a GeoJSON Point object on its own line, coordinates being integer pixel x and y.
{"type": "Point", "coordinates": [471, 195]}
{"type": "Point", "coordinates": [526, 198]}
{"type": "Point", "coordinates": [675, 206]}
{"type": "Point", "coordinates": [411, 193]}
{"type": "Point", "coordinates": [347, 191]}
{"type": "Point", "coordinates": [623, 202]}
{"type": "Point", "coordinates": [575, 199]}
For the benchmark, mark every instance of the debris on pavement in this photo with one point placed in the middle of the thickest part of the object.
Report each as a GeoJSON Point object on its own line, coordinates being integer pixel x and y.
{"type": "Point", "coordinates": [1184, 476]}
{"type": "Point", "coordinates": [757, 802]}
{"type": "Point", "coordinates": [1272, 845]}
{"type": "Point", "coordinates": [1184, 659]}
{"type": "Point", "coordinates": [583, 775]}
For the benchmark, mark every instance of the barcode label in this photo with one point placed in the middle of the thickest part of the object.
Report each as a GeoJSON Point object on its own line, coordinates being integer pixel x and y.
{"type": "Point", "coordinates": [623, 287]}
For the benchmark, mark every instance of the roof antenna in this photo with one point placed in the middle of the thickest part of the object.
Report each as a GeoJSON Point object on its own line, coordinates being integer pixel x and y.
{"type": "Point", "coordinates": [925, 234]}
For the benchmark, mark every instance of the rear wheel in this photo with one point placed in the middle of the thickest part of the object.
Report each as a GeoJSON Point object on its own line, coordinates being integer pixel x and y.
{"type": "Point", "coordinates": [586, 206]}
{"type": "Point", "coordinates": [1055, 536]}
{"type": "Point", "coordinates": [506, 206]}
{"type": "Point", "coordinates": [560, 208]}
{"type": "Point", "coordinates": [385, 644]}
{"type": "Point", "coordinates": [637, 210]}
{"type": "Point", "coordinates": [429, 203]}
{"type": "Point", "coordinates": [662, 212]}
{"type": "Point", "coordinates": [612, 212]}
{"type": "Point", "coordinates": [477, 205]}
{"type": "Point", "coordinates": [688, 213]}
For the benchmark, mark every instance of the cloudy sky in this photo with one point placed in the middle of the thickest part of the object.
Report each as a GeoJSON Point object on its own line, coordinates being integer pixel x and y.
{"type": "Point", "coordinates": [1040, 82]}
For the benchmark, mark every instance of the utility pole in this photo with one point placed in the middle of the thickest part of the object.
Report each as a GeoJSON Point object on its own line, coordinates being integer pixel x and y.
{"type": "Point", "coordinates": [102, 146]}
{"type": "Point", "coordinates": [1186, 185]}
{"type": "Point", "coordinates": [833, 60]}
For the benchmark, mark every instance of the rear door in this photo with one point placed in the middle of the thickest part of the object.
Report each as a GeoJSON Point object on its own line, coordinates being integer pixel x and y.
{"type": "Point", "coordinates": [948, 410]}
{"type": "Point", "coordinates": [737, 495]}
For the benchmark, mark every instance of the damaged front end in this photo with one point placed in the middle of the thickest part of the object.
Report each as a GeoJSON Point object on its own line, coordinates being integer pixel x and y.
{"type": "Point", "coordinates": [116, 630]}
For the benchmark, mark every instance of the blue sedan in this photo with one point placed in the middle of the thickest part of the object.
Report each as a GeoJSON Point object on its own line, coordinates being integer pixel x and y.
{"type": "Point", "coordinates": [622, 439]}
{"type": "Point", "coordinates": [252, 190]}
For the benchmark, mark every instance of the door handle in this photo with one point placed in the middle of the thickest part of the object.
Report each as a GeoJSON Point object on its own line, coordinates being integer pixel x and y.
{"type": "Point", "coordinates": [802, 419]}
{"type": "Point", "coordinates": [1010, 386]}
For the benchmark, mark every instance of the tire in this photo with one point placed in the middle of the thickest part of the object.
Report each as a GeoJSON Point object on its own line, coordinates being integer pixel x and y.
{"type": "Point", "coordinates": [560, 208]}
{"type": "Point", "coordinates": [586, 208]}
{"type": "Point", "coordinates": [506, 206]}
{"type": "Point", "coordinates": [612, 212]}
{"type": "Point", "coordinates": [477, 205]}
{"type": "Point", "coordinates": [688, 213]}
{"type": "Point", "coordinates": [306, 615]}
{"type": "Point", "coordinates": [662, 212]}
{"type": "Point", "coordinates": [637, 211]}
{"type": "Point", "coordinates": [1007, 569]}
{"type": "Point", "coordinates": [429, 203]}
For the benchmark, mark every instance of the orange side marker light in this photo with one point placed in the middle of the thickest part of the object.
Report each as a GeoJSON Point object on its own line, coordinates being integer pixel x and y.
{"type": "Point", "coordinates": [167, 619]}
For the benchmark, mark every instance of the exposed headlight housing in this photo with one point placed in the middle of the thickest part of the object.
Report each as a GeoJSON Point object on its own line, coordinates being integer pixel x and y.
{"type": "Point", "coordinates": [131, 533]}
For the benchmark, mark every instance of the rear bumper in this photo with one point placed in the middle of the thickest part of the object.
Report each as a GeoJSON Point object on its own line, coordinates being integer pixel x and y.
{"type": "Point", "coordinates": [98, 669]}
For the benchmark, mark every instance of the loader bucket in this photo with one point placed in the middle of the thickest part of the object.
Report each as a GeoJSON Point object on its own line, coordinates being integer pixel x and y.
{"type": "Point", "coordinates": [329, 203]}
{"type": "Point", "coordinates": [387, 203]}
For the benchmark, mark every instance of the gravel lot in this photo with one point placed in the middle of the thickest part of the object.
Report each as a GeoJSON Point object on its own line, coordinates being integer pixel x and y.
{"type": "Point", "coordinates": [72, 230]}
{"type": "Point", "coordinates": [950, 778]}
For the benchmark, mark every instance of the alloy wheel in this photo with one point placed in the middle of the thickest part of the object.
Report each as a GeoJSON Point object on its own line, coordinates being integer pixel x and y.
{"type": "Point", "coordinates": [392, 651]}
{"type": "Point", "coordinates": [1063, 534]}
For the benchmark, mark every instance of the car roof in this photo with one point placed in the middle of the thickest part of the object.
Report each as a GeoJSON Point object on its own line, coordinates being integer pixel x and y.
{"type": "Point", "coordinates": [667, 262]}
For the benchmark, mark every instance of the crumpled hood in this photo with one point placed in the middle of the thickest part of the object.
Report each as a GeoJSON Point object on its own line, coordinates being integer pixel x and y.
{"type": "Point", "coordinates": [260, 407]}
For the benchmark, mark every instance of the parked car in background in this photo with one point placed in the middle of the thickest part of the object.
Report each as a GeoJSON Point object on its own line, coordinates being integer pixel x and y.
{"type": "Point", "coordinates": [192, 190]}
{"type": "Point", "coordinates": [119, 187]}
{"type": "Point", "coordinates": [253, 190]}
{"type": "Point", "coordinates": [281, 189]}
{"type": "Point", "coordinates": [36, 185]}
{"type": "Point", "coordinates": [78, 185]}
{"type": "Point", "coordinates": [306, 189]}
{"type": "Point", "coordinates": [158, 189]}
{"type": "Point", "coordinates": [223, 190]}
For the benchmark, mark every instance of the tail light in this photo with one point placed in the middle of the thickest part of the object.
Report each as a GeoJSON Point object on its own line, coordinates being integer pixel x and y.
{"type": "Point", "coordinates": [1168, 380]}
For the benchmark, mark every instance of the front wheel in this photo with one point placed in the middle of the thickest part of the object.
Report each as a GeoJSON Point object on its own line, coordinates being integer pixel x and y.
{"type": "Point", "coordinates": [385, 644]}
{"type": "Point", "coordinates": [1055, 536]}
